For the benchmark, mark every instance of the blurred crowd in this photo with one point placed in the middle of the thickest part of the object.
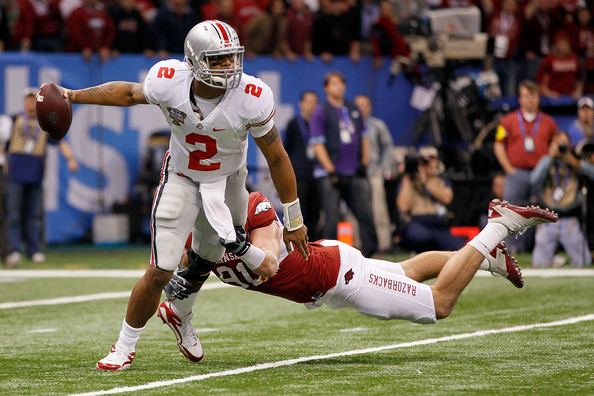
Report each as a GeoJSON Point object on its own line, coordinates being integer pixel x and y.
{"type": "Point", "coordinates": [548, 40]}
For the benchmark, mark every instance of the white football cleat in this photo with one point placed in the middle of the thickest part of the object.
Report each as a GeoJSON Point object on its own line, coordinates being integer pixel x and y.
{"type": "Point", "coordinates": [187, 340]}
{"type": "Point", "coordinates": [502, 264]}
{"type": "Point", "coordinates": [116, 360]}
{"type": "Point", "coordinates": [518, 219]}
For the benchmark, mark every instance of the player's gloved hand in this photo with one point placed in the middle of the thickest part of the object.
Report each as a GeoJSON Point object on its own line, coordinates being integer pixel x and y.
{"type": "Point", "coordinates": [268, 268]}
{"type": "Point", "coordinates": [241, 245]}
{"type": "Point", "coordinates": [178, 287]}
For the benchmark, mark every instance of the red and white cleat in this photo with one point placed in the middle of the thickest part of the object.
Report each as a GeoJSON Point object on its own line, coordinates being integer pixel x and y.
{"type": "Point", "coordinates": [518, 219]}
{"type": "Point", "coordinates": [116, 360]}
{"type": "Point", "coordinates": [501, 263]}
{"type": "Point", "coordinates": [187, 340]}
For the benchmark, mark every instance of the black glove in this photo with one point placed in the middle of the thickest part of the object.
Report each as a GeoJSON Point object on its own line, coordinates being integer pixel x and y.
{"type": "Point", "coordinates": [179, 287]}
{"type": "Point", "coordinates": [361, 171]}
{"type": "Point", "coordinates": [241, 244]}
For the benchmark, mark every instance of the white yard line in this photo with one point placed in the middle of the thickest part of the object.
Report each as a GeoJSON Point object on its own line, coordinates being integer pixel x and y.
{"type": "Point", "coordinates": [291, 362]}
{"type": "Point", "coordinates": [86, 298]}
{"type": "Point", "coordinates": [27, 274]}
{"type": "Point", "coordinates": [71, 273]}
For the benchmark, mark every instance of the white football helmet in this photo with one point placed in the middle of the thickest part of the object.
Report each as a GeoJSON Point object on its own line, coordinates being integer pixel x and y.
{"type": "Point", "coordinates": [210, 39]}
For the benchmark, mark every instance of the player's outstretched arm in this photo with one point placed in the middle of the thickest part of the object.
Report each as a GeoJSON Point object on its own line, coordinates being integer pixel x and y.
{"type": "Point", "coordinates": [115, 93]}
{"type": "Point", "coordinates": [285, 183]}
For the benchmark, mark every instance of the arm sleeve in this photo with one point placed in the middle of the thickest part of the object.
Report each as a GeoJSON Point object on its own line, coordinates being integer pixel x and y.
{"type": "Point", "coordinates": [153, 87]}
{"type": "Point", "coordinates": [263, 122]}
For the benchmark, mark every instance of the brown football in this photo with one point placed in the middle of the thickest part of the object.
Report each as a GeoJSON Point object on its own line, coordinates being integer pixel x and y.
{"type": "Point", "coordinates": [54, 112]}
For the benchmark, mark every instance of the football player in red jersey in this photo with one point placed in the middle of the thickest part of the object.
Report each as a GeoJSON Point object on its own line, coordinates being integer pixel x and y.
{"type": "Point", "coordinates": [339, 276]}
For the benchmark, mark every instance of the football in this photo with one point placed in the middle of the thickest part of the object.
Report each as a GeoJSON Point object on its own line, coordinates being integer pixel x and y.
{"type": "Point", "coordinates": [54, 112]}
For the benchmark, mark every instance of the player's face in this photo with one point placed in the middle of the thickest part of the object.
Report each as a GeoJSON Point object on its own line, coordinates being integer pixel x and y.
{"type": "Point", "coordinates": [221, 62]}
{"type": "Point", "coordinates": [529, 101]}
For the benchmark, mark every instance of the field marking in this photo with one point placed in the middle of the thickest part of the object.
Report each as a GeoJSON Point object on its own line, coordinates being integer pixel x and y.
{"type": "Point", "coordinates": [86, 298]}
{"type": "Point", "coordinates": [75, 273]}
{"type": "Point", "coordinates": [43, 331]}
{"type": "Point", "coordinates": [354, 329]}
{"type": "Point", "coordinates": [291, 362]}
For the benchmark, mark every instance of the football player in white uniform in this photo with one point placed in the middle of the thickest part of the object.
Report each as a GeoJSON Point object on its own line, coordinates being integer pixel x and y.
{"type": "Point", "coordinates": [210, 106]}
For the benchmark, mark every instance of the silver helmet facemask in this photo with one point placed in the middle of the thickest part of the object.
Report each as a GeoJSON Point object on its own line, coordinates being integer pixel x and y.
{"type": "Point", "coordinates": [207, 41]}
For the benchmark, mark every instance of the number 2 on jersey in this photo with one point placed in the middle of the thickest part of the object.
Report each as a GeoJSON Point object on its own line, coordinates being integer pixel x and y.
{"type": "Point", "coordinates": [197, 156]}
{"type": "Point", "coordinates": [165, 72]}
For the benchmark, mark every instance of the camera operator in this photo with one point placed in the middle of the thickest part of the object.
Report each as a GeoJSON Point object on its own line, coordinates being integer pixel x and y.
{"type": "Point", "coordinates": [422, 202]}
{"type": "Point", "coordinates": [557, 177]}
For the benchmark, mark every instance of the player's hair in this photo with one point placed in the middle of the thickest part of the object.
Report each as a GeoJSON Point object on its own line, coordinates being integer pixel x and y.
{"type": "Point", "coordinates": [530, 86]}
{"type": "Point", "coordinates": [306, 92]}
{"type": "Point", "coordinates": [334, 73]}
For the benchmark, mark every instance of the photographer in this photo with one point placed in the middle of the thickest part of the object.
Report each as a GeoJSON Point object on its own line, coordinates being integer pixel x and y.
{"type": "Point", "coordinates": [422, 202]}
{"type": "Point", "coordinates": [557, 177]}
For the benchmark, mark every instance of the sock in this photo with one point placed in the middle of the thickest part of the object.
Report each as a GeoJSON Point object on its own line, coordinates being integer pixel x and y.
{"type": "Point", "coordinates": [489, 237]}
{"type": "Point", "coordinates": [128, 337]}
{"type": "Point", "coordinates": [183, 308]}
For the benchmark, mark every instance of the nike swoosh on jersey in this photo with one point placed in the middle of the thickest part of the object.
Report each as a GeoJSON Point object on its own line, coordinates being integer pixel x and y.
{"type": "Point", "coordinates": [218, 129]}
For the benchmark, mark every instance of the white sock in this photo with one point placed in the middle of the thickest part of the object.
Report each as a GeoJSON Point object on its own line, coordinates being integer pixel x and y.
{"type": "Point", "coordinates": [489, 237]}
{"type": "Point", "coordinates": [183, 308]}
{"type": "Point", "coordinates": [128, 337]}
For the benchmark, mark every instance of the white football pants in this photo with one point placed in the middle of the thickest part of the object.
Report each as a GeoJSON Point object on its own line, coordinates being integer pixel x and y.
{"type": "Point", "coordinates": [178, 210]}
{"type": "Point", "coordinates": [378, 288]}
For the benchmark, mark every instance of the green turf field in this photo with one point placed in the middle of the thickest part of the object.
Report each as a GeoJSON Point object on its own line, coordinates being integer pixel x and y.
{"type": "Point", "coordinates": [53, 349]}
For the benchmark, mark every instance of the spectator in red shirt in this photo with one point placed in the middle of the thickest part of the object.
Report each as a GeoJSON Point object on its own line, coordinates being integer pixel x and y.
{"type": "Point", "coordinates": [266, 34]}
{"type": "Point", "coordinates": [505, 29]}
{"type": "Point", "coordinates": [299, 29]}
{"type": "Point", "coordinates": [90, 29]}
{"type": "Point", "coordinates": [385, 38]}
{"type": "Point", "coordinates": [560, 72]}
{"type": "Point", "coordinates": [522, 138]}
{"type": "Point", "coordinates": [39, 27]}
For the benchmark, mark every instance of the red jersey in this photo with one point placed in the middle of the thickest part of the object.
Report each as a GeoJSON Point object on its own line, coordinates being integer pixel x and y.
{"type": "Point", "coordinates": [561, 75]}
{"type": "Point", "coordinates": [514, 129]}
{"type": "Point", "coordinates": [297, 279]}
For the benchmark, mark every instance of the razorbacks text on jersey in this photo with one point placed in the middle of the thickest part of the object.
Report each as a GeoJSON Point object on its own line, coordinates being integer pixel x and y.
{"type": "Point", "coordinates": [297, 279]}
{"type": "Point", "coordinates": [214, 147]}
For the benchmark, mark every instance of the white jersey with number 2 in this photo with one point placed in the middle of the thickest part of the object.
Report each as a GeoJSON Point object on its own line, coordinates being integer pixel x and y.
{"type": "Point", "coordinates": [212, 148]}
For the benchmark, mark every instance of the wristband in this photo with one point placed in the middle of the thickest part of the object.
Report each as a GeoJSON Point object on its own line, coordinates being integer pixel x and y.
{"type": "Point", "coordinates": [292, 215]}
{"type": "Point", "coordinates": [253, 257]}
